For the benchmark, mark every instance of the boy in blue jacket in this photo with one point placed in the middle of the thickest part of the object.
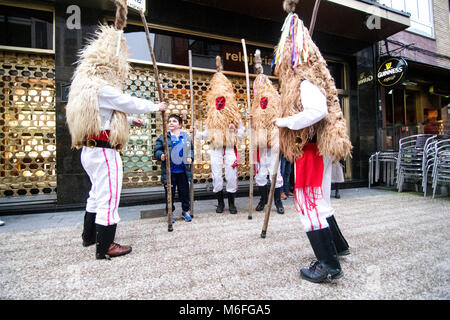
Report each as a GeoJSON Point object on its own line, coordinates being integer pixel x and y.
{"type": "Point", "coordinates": [181, 155]}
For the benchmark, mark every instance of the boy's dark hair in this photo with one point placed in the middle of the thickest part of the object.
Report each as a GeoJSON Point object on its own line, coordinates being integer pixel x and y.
{"type": "Point", "coordinates": [179, 119]}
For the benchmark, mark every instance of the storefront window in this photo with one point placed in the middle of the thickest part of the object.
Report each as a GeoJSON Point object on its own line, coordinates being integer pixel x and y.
{"type": "Point", "coordinates": [413, 110]}
{"type": "Point", "coordinates": [337, 72]}
{"type": "Point", "coordinates": [421, 14]}
{"type": "Point", "coordinates": [172, 48]}
{"type": "Point", "coordinates": [26, 28]}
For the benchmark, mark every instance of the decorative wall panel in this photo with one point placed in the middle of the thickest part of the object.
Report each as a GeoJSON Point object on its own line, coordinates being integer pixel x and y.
{"type": "Point", "coordinates": [27, 124]}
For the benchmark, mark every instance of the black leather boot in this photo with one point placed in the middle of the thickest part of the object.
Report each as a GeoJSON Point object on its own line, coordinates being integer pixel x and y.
{"type": "Point", "coordinates": [106, 248]}
{"type": "Point", "coordinates": [220, 202]}
{"type": "Point", "coordinates": [327, 266]}
{"type": "Point", "coordinates": [278, 203]}
{"type": "Point", "coordinates": [264, 192]}
{"type": "Point", "coordinates": [105, 237]}
{"type": "Point", "coordinates": [336, 194]}
{"type": "Point", "coordinates": [231, 205]}
{"type": "Point", "coordinates": [338, 239]}
{"type": "Point", "coordinates": [88, 234]}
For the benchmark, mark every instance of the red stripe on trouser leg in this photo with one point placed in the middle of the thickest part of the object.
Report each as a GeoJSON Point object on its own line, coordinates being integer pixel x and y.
{"type": "Point", "coordinates": [110, 188]}
{"type": "Point", "coordinates": [117, 186]}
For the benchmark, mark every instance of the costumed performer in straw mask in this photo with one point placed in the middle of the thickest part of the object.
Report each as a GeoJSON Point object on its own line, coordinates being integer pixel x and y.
{"type": "Point", "coordinates": [97, 121]}
{"type": "Point", "coordinates": [313, 134]}
{"type": "Point", "coordinates": [223, 129]}
{"type": "Point", "coordinates": [266, 107]}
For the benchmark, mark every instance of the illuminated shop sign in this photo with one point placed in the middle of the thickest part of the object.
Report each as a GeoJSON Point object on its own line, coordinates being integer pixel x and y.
{"type": "Point", "coordinates": [365, 78]}
{"type": "Point", "coordinates": [392, 71]}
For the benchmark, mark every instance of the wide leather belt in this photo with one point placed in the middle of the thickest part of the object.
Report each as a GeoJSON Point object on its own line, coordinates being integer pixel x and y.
{"type": "Point", "coordinates": [92, 143]}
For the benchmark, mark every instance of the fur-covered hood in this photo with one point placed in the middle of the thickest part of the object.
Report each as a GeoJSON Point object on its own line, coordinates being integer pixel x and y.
{"type": "Point", "coordinates": [223, 109]}
{"type": "Point", "coordinates": [97, 66]}
{"type": "Point", "coordinates": [266, 107]}
{"type": "Point", "coordinates": [294, 62]}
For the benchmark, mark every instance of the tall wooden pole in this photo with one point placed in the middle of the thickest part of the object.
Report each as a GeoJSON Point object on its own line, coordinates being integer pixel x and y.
{"type": "Point", "coordinates": [270, 200]}
{"type": "Point", "coordinates": [313, 18]}
{"type": "Point", "coordinates": [191, 186]}
{"type": "Point", "coordinates": [249, 130]}
{"type": "Point", "coordinates": [163, 113]}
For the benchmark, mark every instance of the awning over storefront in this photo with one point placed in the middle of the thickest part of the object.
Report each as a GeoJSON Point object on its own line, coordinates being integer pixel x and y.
{"type": "Point", "coordinates": [105, 5]}
{"type": "Point", "coordinates": [363, 20]}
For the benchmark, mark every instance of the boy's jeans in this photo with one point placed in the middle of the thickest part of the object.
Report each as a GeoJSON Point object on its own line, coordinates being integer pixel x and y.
{"type": "Point", "coordinates": [180, 182]}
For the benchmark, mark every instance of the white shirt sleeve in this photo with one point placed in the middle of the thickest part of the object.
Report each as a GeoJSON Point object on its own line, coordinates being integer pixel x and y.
{"type": "Point", "coordinates": [113, 99]}
{"type": "Point", "coordinates": [314, 108]}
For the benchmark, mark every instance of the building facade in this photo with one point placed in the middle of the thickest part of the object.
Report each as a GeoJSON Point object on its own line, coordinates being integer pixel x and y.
{"type": "Point", "coordinates": [40, 41]}
{"type": "Point", "coordinates": [419, 102]}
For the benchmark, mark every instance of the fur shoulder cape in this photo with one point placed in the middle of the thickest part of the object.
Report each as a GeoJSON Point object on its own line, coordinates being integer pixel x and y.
{"type": "Point", "coordinates": [331, 132]}
{"type": "Point", "coordinates": [97, 66]}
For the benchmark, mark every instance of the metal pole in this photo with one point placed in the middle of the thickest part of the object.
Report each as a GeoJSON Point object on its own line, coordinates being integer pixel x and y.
{"type": "Point", "coordinates": [163, 113]}
{"type": "Point", "coordinates": [249, 130]}
{"type": "Point", "coordinates": [191, 185]}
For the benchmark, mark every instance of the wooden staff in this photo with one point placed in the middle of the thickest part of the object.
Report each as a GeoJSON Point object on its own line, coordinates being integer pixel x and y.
{"type": "Point", "coordinates": [191, 186]}
{"type": "Point", "coordinates": [271, 192]}
{"type": "Point", "coordinates": [313, 18]}
{"type": "Point", "coordinates": [249, 129]}
{"type": "Point", "coordinates": [163, 113]}
{"type": "Point", "coordinates": [274, 176]}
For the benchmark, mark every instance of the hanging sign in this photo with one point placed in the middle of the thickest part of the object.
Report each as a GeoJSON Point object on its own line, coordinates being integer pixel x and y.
{"type": "Point", "coordinates": [392, 72]}
{"type": "Point", "coordinates": [137, 4]}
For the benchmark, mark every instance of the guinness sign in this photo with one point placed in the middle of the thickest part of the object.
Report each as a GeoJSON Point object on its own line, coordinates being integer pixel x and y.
{"type": "Point", "coordinates": [392, 71]}
{"type": "Point", "coordinates": [365, 78]}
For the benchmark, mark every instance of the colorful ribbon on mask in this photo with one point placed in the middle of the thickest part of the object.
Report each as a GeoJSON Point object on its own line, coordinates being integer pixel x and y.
{"type": "Point", "coordinates": [292, 27]}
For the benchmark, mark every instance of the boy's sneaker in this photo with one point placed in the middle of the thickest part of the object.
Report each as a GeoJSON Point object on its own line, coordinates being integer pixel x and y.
{"type": "Point", "coordinates": [187, 217]}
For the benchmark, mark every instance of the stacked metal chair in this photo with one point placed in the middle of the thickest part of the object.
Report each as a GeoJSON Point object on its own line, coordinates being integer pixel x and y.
{"type": "Point", "coordinates": [382, 163]}
{"type": "Point", "coordinates": [410, 159]}
{"type": "Point", "coordinates": [441, 167]}
{"type": "Point", "coordinates": [428, 162]}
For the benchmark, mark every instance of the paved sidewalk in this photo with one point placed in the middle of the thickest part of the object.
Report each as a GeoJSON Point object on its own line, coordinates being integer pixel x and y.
{"type": "Point", "coordinates": [29, 222]}
{"type": "Point", "coordinates": [399, 243]}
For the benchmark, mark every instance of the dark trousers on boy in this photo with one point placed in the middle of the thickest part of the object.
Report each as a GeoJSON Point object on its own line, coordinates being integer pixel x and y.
{"type": "Point", "coordinates": [180, 183]}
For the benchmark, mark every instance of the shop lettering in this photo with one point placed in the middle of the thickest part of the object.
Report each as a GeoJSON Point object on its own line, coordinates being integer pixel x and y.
{"type": "Point", "coordinates": [74, 20]}
{"type": "Point", "coordinates": [239, 57]}
{"type": "Point", "coordinates": [365, 80]}
{"type": "Point", "coordinates": [389, 72]}
{"type": "Point", "coordinates": [373, 22]}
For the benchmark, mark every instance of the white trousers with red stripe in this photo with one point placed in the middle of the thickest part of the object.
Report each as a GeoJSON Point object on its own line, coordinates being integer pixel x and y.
{"type": "Point", "coordinates": [218, 159]}
{"type": "Point", "coordinates": [104, 168]}
{"type": "Point", "coordinates": [317, 218]}
{"type": "Point", "coordinates": [266, 166]}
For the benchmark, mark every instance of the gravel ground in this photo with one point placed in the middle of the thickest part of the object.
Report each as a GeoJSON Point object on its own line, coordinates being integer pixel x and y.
{"type": "Point", "coordinates": [399, 244]}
